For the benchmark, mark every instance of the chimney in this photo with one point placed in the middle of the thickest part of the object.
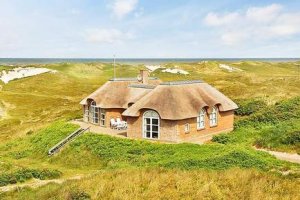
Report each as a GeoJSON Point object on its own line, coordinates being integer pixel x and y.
{"type": "Point", "coordinates": [144, 75]}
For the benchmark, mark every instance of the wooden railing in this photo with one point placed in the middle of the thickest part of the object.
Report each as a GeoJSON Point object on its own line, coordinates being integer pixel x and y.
{"type": "Point", "coordinates": [63, 142]}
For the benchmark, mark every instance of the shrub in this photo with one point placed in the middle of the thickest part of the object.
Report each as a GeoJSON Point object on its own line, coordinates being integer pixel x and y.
{"type": "Point", "coordinates": [281, 111]}
{"type": "Point", "coordinates": [222, 138]}
{"type": "Point", "coordinates": [291, 138]}
{"type": "Point", "coordinates": [26, 174]}
{"type": "Point", "coordinates": [248, 107]}
{"type": "Point", "coordinates": [282, 137]}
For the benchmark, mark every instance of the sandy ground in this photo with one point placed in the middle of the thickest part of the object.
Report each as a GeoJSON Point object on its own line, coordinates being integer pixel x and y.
{"type": "Point", "coordinates": [175, 71]}
{"type": "Point", "coordinates": [291, 157]}
{"type": "Point", "coordinates": [18, 73]}
{"type": "Point", "coordinates": [152, 68]}
{"type": "Point", "coordinates": [229, 68]}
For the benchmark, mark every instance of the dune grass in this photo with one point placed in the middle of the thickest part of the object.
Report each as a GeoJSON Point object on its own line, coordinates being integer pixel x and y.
{"type": "Point", "coordinates": [37, 108]}
{"type": "Point", "coordinates": [167, 184]}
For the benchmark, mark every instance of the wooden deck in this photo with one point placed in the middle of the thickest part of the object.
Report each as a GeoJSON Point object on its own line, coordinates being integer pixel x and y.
{"type": "Point", "coordinates": [99, 129]}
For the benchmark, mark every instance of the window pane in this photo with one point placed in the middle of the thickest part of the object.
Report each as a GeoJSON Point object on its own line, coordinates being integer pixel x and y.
{"type": "Point", "coordinates": [154, 135]}
{"type": "Point", "coordinates": [148, 128]}
{"type": "Point", "coordinates": [155, 121]}
{"type": "Point", "coordinates": [147, 120]}
{"type": "Point", "coordinates": [148, 134]}
{"type": "Point", "coordinates": [155, 128]}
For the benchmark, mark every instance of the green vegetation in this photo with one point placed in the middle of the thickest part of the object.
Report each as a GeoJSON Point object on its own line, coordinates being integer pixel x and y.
{"type": "Point", "coordinates": [26, 174]}
{"type": "Point", "coordinates": [249, 106]}
{"type": "Point", "coordinates": [281, 111]}
{"type": "Point", "coordinates": [283, 137]}
{"type": "Point", "coordinates": [274, 127]}
{"type": "Point", "coordinates": [37, 110]}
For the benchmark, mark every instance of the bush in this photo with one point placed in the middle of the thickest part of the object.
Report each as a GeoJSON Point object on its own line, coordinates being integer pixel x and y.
{"type": "Point", "coordinates": [248, 107]}
{"type": "Point", "coordinates": [282, 137]}
{"type": "Point", "coordinates": [292, 138]}
{"type": "Point", "coordinates": [222, 138]}
{"type": "Point", "coordinates": [26, 174]}
{"type": "Point", "coordinates": [281, 111]}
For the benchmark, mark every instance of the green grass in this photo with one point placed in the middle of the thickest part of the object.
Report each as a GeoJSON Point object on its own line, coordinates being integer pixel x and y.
{"type": "Point", "coordinates": [37, 110]}
{"type": "Point", "coordinates": [111, 152]}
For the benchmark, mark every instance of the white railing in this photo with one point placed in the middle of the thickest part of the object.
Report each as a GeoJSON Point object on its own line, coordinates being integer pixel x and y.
{"type": "Point", "coordinates": [63, 142]}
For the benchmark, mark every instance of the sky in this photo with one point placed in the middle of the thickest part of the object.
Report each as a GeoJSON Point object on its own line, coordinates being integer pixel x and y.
{"type": "Point", "coordinates": [149, 29]}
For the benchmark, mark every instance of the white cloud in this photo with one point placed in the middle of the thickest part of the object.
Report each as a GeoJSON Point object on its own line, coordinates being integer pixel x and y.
{"type": "Point", "coordinates": [121, 8]}
{"type": "Point", "coordinates": [213, 19]}
{"type": "Point", "coordinates": [264, 14]}
{"type": "Point", "coordinates": [109, 36]}
{"type": "Point", "coordinates": [254, 24]}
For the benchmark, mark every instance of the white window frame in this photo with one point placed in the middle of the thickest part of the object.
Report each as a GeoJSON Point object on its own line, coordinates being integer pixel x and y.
{"type": "Point", "coordinates": [86, 113]}
{"type": "Point", "coordinates": [151, 115]}
{"type": "Point", "coordinates": [187, 128]}
{"type": "Point", "coordinates": [102, 117]}
{"type": "Point", "coordinates": [201, 119]}
{"type": "Point", "coordinates": [213, 117]}
{"type": "Point", "coordinates": [94, 113]}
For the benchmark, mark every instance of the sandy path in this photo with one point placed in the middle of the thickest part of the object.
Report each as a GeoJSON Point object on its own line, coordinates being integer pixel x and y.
{"type": "Point", "coordinates": [291, 157]}
{"type": "Point", "coordinates": [35, 183]}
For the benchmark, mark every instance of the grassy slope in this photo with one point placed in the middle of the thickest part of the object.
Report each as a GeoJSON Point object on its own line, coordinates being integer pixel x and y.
{"type": "Point", "coordinates": [169, 184]}
{"type": "Point", "coordinates": [34, 102]}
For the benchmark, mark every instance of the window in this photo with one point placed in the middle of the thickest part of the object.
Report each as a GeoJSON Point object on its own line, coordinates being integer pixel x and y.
{"type": "Point", "coordinates": [213, 117]}
{"type": "Point", "coordinates": [151, 125]}
{"type": "Point", "coordinates": [86, 114]}
{"type": "Point", "coordinates": [187, 128]}
{"type": "Point", "coordinates": [94, 113]}
{"type": "Point", "coordinates": [201, 119]}
{"type": "Point", "coordinates": [102, 117]}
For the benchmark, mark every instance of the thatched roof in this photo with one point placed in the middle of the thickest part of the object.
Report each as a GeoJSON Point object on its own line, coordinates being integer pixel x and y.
{"type": "Point", "coordinates": [181, 100]}
{"type": "Point", "coordinates": [118, 93]}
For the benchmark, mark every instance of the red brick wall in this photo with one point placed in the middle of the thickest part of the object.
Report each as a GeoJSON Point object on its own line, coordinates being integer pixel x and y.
{"type": "Point", "coordinates": [109, 114]}
{"type": "Point", "coordinates": [172, 130]}
{"type": "Point", "coordinates": [113, 113]}
{"type": "Point", "coordinates": [225, 123]}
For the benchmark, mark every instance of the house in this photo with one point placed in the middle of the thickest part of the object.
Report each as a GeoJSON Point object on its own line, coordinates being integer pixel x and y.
{"type": "Point", "coordinates": [167, 111]}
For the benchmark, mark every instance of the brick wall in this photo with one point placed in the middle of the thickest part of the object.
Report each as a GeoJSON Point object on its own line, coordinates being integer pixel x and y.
{"type": "Point", "coordinates": [225, 123]}
{"type": "Point", "coordinates": [168, 129]}
{"type": "Point", "coordinates": [109, 114]}
{"type": "Point", "coordinates": [171, 130]}
{"type": "Point", "coordinates": [113, 113]}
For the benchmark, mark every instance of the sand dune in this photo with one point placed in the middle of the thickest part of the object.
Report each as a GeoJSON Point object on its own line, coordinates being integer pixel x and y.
{"type": "Point", "coordinates": [18, 73]}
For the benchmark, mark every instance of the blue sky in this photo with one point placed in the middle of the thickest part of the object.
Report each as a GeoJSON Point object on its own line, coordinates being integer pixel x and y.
{"type": "Point", "coordinates": [149, 29]}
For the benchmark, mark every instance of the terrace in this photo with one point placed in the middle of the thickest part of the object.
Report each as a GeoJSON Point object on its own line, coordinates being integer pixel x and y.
{"type": "Point", "coordinates": [99, 129]}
